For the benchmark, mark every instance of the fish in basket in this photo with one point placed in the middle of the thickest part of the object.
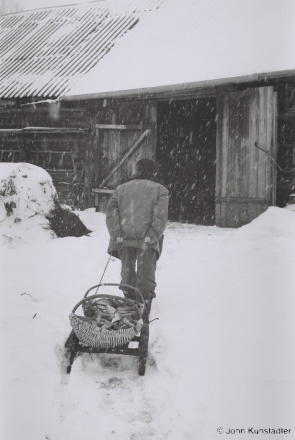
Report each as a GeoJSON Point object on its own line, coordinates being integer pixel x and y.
{"type": "Point", "coordinates": [109, 321]}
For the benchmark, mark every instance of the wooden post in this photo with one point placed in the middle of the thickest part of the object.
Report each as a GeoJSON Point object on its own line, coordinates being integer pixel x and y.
{"type": "Point", "coordinates": [274, 149]}
{"type": "Point", "coordinates": [96, 158]}
{"type": "Point", "coordinates": [89, 163]}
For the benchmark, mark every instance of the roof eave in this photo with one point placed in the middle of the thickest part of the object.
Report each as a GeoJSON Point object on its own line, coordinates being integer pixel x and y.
{"type": "Point", "coordinates": [184, 87]}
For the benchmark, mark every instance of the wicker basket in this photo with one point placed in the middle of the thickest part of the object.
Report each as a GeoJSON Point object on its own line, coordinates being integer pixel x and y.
{"type": "Point", "coordinates": [96, 337]}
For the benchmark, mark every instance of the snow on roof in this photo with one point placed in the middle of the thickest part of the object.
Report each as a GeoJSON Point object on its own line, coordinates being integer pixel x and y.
{"type": "Point", "coordinates": [44, 52]}
{"type": "Point", "coordinates": [201, 40]}
{"type": "Point", "coordinates": [117, 45]}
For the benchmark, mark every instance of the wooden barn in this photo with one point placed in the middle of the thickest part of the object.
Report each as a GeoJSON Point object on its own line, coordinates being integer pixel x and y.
{"type": "Point", "coordinates": [205, 87]}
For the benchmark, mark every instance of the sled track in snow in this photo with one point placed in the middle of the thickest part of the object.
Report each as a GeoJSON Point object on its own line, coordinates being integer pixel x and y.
{"type": "Point", "coordinates": [105, 392]}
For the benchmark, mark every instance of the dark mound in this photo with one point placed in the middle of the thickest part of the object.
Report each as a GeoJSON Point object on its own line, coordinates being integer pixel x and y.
{"type": "Point", "coordinates": [65, 223]}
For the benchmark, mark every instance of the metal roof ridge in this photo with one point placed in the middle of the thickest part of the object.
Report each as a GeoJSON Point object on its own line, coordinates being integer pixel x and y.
{"type": "Point", "coordinates": [54, 7]}
{"type": "Point", "coordinates": [67, 6]}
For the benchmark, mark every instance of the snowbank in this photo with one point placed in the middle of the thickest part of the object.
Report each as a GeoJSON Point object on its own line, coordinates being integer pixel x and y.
{"type": "Point", "coordinates": [26, 195]}
{"type": "Point", "coordinates": [290, 207]}
{"type": "Point", "coordinates": [274, 222]}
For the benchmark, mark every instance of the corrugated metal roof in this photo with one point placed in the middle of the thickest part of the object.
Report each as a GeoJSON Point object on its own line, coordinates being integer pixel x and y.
{"type": "Point", "coordinates": [45, 52]}
{"type": "Point", "coordinates": [119, 45]}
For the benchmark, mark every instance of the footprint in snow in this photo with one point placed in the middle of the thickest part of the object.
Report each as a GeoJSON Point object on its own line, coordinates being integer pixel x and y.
{"type": "Point", "coordinates": [120, 363]}
{"type": "Point", "coordinates": [112, 383]}
{"type": "Point", "coordinates": [143, 416]}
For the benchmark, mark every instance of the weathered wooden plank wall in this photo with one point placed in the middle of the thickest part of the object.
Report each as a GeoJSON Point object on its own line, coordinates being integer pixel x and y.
{"type": "Point", "coordinates": [244, 182]}
{"type": "Point", "coordinates": [113, 143]}
{"type": "Point", "coordinates": [61, 154]}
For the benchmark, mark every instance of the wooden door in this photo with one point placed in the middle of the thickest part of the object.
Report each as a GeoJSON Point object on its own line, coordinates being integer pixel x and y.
{"type": "Point", "coordinates": [246, 148]}
{"type": "Point", "coordinates": [125, 133]}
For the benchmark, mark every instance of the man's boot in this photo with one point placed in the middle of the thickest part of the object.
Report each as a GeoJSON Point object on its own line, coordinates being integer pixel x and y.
{"type": "Point", "coordinates": [147, 309]}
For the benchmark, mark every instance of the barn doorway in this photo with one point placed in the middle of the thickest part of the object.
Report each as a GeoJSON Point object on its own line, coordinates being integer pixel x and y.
{"type": "Point", "coordinates": [186, 153]}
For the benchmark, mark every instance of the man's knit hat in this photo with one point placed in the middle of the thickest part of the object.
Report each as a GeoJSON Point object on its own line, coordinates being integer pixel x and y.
{"type": "Point", "coordinates": [147, 166]}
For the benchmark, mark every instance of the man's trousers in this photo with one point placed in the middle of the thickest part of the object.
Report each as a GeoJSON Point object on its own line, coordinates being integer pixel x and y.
{"type": "Point", "coordinates": [142, 277]}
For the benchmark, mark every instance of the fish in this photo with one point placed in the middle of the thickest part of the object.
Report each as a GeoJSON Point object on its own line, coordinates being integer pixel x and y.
{"type": "Point", "coordinates": [110, 309]}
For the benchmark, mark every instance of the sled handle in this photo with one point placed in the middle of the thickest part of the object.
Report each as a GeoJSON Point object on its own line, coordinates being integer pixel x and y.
{"type": "Point", "coordinates": [119, 285]}
{"type": "Point", "coordinates": [128, 301]}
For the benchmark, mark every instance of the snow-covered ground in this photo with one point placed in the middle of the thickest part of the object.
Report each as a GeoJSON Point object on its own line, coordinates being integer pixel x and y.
{"type": "Point", "coordinates": [221, 354]}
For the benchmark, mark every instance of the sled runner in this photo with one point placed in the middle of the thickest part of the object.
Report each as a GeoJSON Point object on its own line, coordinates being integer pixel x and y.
{"type": "Point", "coordinates": [112, 324]}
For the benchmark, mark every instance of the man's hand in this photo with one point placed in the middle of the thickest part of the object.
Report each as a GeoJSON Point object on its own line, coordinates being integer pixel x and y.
{"type": "Point", "coordinates": [148, 240]}
{"type": "Point", "coordinates": [118, 240]}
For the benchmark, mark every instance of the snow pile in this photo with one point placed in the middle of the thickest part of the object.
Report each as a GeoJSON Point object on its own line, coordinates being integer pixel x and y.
{"type": "Point", "coordinates": [274, 222]}
{"type": "Point", "coordinates": [290, 207]}
{"type": "Point", "coordinates": [27, 194]}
